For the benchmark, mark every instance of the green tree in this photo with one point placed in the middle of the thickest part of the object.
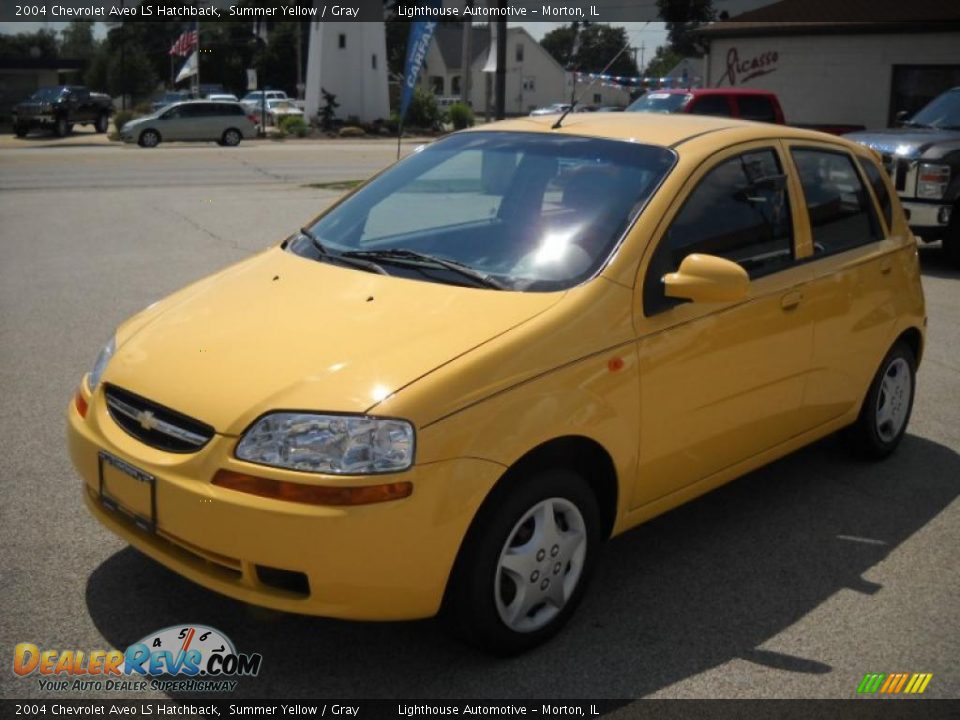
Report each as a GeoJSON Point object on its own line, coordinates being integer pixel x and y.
{"type": "Point", "coordinates": [130, 72]}
{"type": "Point", "coordinates": [39, 44]}
{"type": "Point", "coordinates": [662, 62]}
{"type": "Point", "coordinates": [596, 46]}
{"type": "Point", "coordinates": [682, 18]}
{"type": "Point", "coordinates": [76, 41]}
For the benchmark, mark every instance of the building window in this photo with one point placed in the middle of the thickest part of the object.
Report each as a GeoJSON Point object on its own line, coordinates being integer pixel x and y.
{"type": "Point", "coordinates": [342, 40]}
{"type": "Point", "coordinates": [597, 98]}
{"type": "Point", "coordinates": [373, 61]}
{"type": "Point", "coordinates": [529, 84]}
{"type": "Point", "coordinates": [519, 52]}
{"type": "Point", "coordinates": [436, 84]}
{"type": "Point", "coordinates": [455, 85]}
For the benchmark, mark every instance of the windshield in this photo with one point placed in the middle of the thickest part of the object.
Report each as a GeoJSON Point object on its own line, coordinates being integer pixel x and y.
{"type": "Point", "coordinates": [279, 104]}
{"type": "Point", "coordinates": [660, 102]}
{"type": "Point", "coordinates": [531, 211]}
{"type": "Point", "coordinates": [47, 94]}
{"type": "Point", "coordinates": [942, 112]}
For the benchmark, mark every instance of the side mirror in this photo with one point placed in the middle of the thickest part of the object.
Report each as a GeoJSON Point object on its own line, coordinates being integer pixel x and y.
{"type": "Point", "coordinates": [901, 116]}
{"type": "Point", "coordinates": [707, 279]}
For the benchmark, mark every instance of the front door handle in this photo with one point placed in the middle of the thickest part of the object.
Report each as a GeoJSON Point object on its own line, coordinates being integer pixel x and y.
{"type": "Point", "coordinates": [791, 300]}
{"type": "Point", "coordinates": [886, 265]}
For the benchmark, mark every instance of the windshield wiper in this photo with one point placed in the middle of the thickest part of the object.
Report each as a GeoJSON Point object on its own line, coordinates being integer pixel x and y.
{"type": "Point", "coordinates": [344, 258]}
{"type": "Point", "coordinates": [912, 123]}
{"type": "Point", "coordinates": [413, 256]}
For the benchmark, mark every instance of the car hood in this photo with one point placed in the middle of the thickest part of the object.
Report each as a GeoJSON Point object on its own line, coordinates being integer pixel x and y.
{"type": "Point", "coordinates": [903, 142]}
{"type": "Point", "coordinates": [283, 332]}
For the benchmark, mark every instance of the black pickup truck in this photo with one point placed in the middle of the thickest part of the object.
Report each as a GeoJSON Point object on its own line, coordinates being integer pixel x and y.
{"type": "Point", "coordinates": [923, 158]}
{"type": "Point", "coordinates": [60, 108]}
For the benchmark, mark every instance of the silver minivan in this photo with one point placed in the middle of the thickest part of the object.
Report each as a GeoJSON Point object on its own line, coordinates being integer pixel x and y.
{"type": "Point", "coordinates": [223, 122]}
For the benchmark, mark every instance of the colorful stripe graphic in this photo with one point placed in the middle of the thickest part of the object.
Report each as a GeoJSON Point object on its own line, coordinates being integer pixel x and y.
{"type": "Point", "coordinates": [894, 683]}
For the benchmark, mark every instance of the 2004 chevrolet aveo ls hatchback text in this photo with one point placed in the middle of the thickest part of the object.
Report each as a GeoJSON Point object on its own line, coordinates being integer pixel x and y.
{"type": "Point", "coordinates": [450, 388]}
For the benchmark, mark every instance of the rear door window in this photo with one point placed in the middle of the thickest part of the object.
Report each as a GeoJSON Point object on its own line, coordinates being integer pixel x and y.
{"type": "Point", "coordinates": [756, 107]}
{"type": "Point", "coordinates": [875, 178]}
{"type": "Point", "coordinates": [841, 214]}
{"type": "Point", "coordinates": [711, 105]}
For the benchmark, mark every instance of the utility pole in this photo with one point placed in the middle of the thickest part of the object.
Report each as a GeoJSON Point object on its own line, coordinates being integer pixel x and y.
{"type": "Point", "coordinates": [465, 64]}
{"type": "Point", "coordinates": [641, 65]}
{"type": "Point", "coordinates": [501, 79]}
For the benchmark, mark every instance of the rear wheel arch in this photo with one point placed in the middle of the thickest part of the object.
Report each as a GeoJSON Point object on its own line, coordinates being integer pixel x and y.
{"type": "Point", "coordinates": [914, 340]}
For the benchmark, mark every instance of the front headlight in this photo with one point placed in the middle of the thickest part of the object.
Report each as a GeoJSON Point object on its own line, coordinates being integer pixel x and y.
{"type": "Point", "coordinates": [334, 444]}
{"type": "Point", "coordinates": [103, 359]}
{"type": "Point", "coordinates": [932, 180]}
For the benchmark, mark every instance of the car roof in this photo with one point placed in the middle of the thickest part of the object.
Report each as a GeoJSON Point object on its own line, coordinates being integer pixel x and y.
{"type": "Point", "coordinates": [713, 91]}
{"type": "Point", "coordinates": [668, 130]}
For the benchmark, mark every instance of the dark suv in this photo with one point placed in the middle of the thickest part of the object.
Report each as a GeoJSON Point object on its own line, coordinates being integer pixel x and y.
{"type": "Point", "coordinates": [923, 157]}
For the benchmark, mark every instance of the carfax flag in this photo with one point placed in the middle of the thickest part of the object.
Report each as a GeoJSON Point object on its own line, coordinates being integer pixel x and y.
{"type": "Point", "coordinates": [418, 42]}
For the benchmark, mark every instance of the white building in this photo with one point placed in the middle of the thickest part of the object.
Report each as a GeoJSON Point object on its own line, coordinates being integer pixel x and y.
{"type": "Point", "coordinates": [348, 59]}
{"type": "Point", "coordinates": [856, 73]}
{"type": "Point", "coordinates": [533, 77]}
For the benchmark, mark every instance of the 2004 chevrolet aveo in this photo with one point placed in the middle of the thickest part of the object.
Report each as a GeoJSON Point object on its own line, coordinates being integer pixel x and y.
{"type": "Point", "coordinates": [450, 388]}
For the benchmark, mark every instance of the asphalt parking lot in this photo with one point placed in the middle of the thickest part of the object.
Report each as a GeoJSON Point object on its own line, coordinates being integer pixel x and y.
{"type": "Point", "coordinates": [794, 581]}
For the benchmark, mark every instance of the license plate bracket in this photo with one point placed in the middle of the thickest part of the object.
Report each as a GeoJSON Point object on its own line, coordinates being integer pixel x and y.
{"type": "Point", "coordinates": [138, 501]}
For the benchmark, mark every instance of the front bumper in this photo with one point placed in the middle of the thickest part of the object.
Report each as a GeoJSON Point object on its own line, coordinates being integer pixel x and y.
{"type": "Point", "coordinates": [929, 220]}
{"type": "Point", "coordinates": [34, 120]}
{"type": "Point", "coordinates": [387, 561]}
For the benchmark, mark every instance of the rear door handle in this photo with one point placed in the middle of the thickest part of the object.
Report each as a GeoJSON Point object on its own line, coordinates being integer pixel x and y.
{"type": "Point", "coordinates": [791, 300]}
{"type": "Point", "coordinates": [886, 265]}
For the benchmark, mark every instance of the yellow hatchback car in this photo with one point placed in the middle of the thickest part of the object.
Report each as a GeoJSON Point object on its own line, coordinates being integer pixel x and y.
{"type": "Point", "coordinates": [451, 387]}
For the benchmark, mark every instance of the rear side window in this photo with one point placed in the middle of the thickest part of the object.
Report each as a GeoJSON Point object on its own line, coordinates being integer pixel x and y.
{"type": "Point", "coordinates": [739, 211]}
{"type": "Point", "coordinates": [875, 178]}
{"type": "Point", "coordinates": [841, 216]}
{"type": "Point", "coordinates": [756, 107]}
{"type": "Point", "coordinates": [711, 105]}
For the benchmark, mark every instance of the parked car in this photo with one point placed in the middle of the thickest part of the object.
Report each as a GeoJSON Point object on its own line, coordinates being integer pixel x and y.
{"type": "Point", "coordinates": [61, 107]}
{"type": "Point", "coordinates": [168, 99]}
{"type": "Point", "coordinates": [554, 109]}
{"type": "Point", "coordinates": [744, 103]}
{"type": "Point", "coordinates": [279, 109]}
{"type": "Point", "coordinates": [223, 97]}
{"type": "Point", "coordinates": [224, 122]}
{"type": "Point", "coordinates": [452, 386]}
{"type": "Point", "coordinates": [253, 100]}
{"type": "Point", "coordinates": [923, 157]}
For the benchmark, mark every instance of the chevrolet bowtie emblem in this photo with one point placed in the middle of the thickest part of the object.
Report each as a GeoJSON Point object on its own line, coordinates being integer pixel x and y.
{"type": "Point", "coordinates": [147, 420]}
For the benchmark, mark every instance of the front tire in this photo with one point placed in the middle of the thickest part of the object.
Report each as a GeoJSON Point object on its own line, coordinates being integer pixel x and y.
{"type": "Point", "coordinates": [62, 127]}
{"type": "Point", "coordinates": [21, 130]}
{"type": "Point", "coordinates": [231, 138]}
{"type": "Point", "coordinates": [525, 563]}
{"type": "Point", "coordinates": [103, 122]}
{"type": "Point", "coordinates": [951, 240]}
{"type": "Point", "coordinates": [886, 409]}
{"type": "Point", "coordinates": [149, 139]}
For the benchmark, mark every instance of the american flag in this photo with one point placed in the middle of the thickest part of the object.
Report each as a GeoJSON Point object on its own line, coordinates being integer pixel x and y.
{"type": "Point", "coordinates": [186, 43]}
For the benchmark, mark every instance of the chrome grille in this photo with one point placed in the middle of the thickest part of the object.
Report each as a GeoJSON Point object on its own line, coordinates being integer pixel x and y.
{"type": "Point", "coordinates": [154, 424]}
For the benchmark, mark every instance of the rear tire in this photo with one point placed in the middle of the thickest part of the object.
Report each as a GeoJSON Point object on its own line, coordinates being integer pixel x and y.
{"type": "Point", "coordinates": [103, 122]}
{"type": "Point", "coordinates": [526, 562]}
{"type": "Point", "coordinates": [21, 130]}
{"type": "Point", "coordinates": [149, 139]}
{"type": "Point", "coordinates": [231, 137]}
{"type": "Point", "coordinates": [886, 409]}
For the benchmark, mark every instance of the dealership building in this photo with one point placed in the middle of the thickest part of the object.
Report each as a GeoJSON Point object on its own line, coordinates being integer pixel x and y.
{"type": "Point", "coordinates": [825, 72]}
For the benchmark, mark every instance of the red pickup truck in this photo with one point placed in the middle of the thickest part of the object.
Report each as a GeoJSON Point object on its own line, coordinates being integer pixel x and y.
{"type": "Point", "coordinates": [744, 103]}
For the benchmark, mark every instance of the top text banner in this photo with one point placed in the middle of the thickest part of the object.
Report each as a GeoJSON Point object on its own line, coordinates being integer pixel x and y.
{"type": "Point", "coordinates": [452, 10]}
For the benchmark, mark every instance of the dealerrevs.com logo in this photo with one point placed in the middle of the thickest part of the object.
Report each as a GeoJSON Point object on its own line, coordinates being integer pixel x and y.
{"type": "Point", "coordinates": [181, 658]}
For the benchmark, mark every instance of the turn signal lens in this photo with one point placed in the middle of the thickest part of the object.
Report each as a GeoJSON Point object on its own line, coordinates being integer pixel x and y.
{"type": "Point", "coordinates": [81, 404]}
{"type": "Point", "coordinates": [312, 494]}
